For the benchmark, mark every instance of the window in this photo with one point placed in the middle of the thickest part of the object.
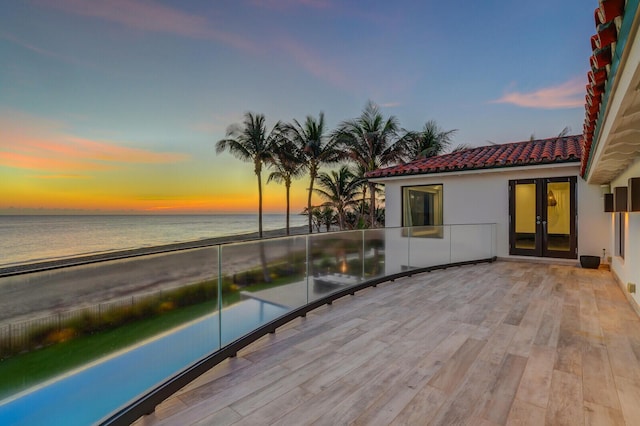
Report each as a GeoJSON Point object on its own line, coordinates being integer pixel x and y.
{"type": "Point", "coordinates": [621, 229]}
{"type": "Point", "coordinates": [422, 206]}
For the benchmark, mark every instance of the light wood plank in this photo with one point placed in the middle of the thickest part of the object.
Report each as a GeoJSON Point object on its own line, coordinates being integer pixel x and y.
{"type": "Point", "coordinates": [565, 400]}
{"type": "Point", "coordinates": [598, 415]}
{"type": "Point", "coordinates": [536, 381]}
{"type": "Point", "coordinates": [276, 408]}
{"type": "Point", "coordinates": [569, 350]}
{"type": "Point", "coordinates": [496, 347]}
{"type": "Point", "coordinates": [598, 385]}
{"type": "Point", "coordinates": [463, 404]}
{"type": "Point", "coordinates": [224, 417]}
{"type": "Point", "coordinates": [629, 394]}
{"type": "Point", "coordinates": [503, 391]}
{"type": "Point", "coordinates": [524, 414]}
{"type": "Point", "coordinates": [421, 407]}
{"type": "Point", "coordinates": [450, 375]}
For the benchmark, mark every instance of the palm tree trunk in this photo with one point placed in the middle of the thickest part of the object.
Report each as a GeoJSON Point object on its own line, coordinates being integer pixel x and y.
{"type": "Point", "coordinates": [259, 203]}
{"type": "Point", "coordinates": [309, 202]}
{"type": "Point", "coordinates": [372, 206]}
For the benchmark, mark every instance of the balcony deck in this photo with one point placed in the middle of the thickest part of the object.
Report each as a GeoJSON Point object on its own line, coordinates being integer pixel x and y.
{"type": "Point", "coordinates": [501, 343]}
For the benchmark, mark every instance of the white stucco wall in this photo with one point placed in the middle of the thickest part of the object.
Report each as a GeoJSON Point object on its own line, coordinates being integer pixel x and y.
{"type": "Point", "coordinates": [627, 269]}
{"type": "Point", "coordinates": [483, 197]}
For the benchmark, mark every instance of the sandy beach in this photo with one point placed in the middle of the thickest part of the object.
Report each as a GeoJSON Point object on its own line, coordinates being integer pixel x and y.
{"type": "Point", "coordinates": [37, 290]}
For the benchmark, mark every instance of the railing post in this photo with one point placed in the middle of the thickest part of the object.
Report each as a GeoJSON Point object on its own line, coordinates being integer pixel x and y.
{"type": "Point", "coordinates": [409, 230]}
{"type": "Point", "coordinates": [363, 253]}
{"type": "Point", "coordinates": [450, 241]}
{"type": "Point", "coordinates": [494, 239]}
{"type": "Point", "coordinates": [219, 296]}
{"type": "Point", "coordinates": [308, 269]}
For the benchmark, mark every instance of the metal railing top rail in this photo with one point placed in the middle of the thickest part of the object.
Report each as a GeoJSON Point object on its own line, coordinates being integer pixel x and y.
{"type": "Point", "coordinates": [80, 260]}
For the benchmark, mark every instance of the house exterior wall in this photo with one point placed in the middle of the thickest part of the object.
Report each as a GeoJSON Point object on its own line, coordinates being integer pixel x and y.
{"type": "Point", "coordinates": [483, 197]}
{"type": "Point", "coordinates": [628, 268]}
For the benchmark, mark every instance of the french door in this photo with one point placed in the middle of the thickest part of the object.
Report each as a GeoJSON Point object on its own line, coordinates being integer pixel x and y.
{"type": "Point", "coordinates": [542, 217]}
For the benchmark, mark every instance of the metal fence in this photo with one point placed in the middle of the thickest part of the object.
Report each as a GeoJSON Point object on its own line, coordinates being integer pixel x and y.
{"type": "Point", "coordinates": [21, 336]}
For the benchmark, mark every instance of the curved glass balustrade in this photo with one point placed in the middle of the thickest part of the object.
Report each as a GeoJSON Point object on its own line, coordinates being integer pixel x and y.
{"type": "Point", "coordinates": [80, 343]}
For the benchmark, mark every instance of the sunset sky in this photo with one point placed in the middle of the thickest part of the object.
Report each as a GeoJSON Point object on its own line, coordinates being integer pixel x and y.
{"type": "Point", "coordinates": [115, 106]}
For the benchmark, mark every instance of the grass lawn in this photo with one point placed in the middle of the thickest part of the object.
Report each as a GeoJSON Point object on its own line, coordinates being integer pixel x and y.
{"type": "Point", "coordinates": [27, 369]}
{"type": "Point", "coordinates": [24, 370]}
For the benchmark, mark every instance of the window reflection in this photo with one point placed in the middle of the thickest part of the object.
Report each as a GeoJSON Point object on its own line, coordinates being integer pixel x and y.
{"type": "Point", "coordinates": [422, 207]}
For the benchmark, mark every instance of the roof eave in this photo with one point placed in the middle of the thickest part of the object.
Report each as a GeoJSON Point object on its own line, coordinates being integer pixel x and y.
{"type": "Point", "coordinates": [503, 168]}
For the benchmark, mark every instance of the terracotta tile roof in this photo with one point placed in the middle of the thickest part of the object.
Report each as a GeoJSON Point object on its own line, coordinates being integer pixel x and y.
{"type": "Point", "coordinates": [603, 43]}
{"type": "Point", "coordinates": [545, 151]}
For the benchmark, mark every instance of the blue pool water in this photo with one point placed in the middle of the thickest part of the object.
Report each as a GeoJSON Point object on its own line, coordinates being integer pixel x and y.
{"type": "Point", "coordinates": [90, 394]}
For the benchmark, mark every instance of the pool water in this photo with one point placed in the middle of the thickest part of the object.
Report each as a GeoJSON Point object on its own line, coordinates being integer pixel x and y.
{"type": "Point", "coordinates": [87, 395]}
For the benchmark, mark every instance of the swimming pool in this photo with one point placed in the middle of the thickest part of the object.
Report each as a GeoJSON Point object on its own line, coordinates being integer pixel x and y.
{"type": "Point", "coordinates": [89, 394]}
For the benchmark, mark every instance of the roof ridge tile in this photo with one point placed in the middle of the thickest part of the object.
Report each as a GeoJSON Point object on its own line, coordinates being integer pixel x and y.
{"type": "Point", "coordinates": [525, 153]}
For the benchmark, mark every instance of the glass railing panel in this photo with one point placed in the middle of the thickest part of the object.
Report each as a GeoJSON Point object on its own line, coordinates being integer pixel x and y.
{"type": "Point", "coordinates": [429, 246]}
{"type": "Point", "coordinates": [396, 250]}
{"type": "Point", "coordinates": [88, 339]}
{"type": "Point", "coordinates": [375, 253]}
{"type": "Point", "coordinates": [261, 281]}
{"type": "Point", "coordinates": [335, 262]}
{"type": "Point", "coordinates": [471, 242]}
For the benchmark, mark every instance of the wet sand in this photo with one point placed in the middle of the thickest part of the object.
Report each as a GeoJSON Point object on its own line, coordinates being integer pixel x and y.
{"type": "Point", "coordinates": [36, 290]}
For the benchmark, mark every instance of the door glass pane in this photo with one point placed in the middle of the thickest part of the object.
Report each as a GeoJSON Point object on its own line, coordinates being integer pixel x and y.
{"type": "Point", "coordinates": [525, 215]}
{"type": "Point", "coordinates": [558, 216]}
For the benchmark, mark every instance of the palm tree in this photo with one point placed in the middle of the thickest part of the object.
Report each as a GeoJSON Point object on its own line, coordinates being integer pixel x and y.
{"type": "Point", "coordinates": [251, 142]}
{"type": "Point", "coordinates": [321, 215]}
{"type": "Point", "coordinates": [288, 161]}
{"type": "Point", "coordinates": [340, 189]}
{"type": "Point", "coordinates": [463, 147]}
{"type": "Point", "coordinates": [325, 216]}
{"type": "Point", "coordinates": [371, 142]}
{"type": "Point", "coordinates": [360, 215]}
{"type": "Point", "coordinates": [317, 148]}
{"type": "Point", "coordinates": [564, 132]}
{"type": "Point", "coordinates": [428, 142]}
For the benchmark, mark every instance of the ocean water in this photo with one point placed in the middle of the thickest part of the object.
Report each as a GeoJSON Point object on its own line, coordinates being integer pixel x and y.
{"type": "Point", "coordinates": [29, 239]}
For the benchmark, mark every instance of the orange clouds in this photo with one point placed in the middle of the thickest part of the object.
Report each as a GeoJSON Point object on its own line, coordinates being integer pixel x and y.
{"type": "Point", "coordinates": [566, 95]}
{"type": "Point", "coordinates": [44, 166]}
{"type": "Point", "coordinates": [30, 143]}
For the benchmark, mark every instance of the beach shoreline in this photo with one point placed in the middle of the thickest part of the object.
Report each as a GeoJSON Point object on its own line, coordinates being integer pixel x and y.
{"type": "Point", "coordinates": [48, 288]}
{"type": "Point", "coordinates": [25, 268]}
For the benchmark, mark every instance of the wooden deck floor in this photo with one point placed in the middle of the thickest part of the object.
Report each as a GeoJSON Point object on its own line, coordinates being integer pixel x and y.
{"type": "Point", "coordinates": [501, 343]}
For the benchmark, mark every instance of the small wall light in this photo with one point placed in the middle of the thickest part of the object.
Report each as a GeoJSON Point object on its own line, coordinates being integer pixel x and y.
{"type": "Point", "coordinates": [620, 199]}
{"type": "Point", "coordinates": [608, 203]}
{"type": "Point", "coordinates": [634, 194]}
